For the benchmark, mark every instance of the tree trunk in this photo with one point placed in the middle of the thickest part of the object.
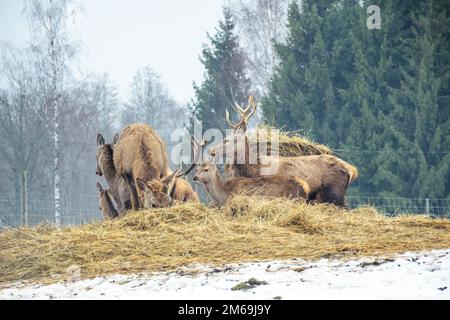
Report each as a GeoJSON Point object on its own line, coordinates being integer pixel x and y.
{"type": "Point", "coordinates": [57, 164]}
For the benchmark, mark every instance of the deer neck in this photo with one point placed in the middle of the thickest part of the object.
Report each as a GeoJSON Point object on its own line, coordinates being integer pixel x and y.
{"type": "Point", "coordinates": [247, 169]}
{"type": "Point", "coordinates": [109, 170]}
{"type": "Point", "coordinates": [217, 189]}
{"type": "Point", "coordinates": [109, 206]}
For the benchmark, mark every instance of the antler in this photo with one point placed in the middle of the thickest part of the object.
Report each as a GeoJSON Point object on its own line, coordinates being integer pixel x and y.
{"type": "Point", "coordinates": [197, 149]}
{"type": "Point", "coordinates": [244, 114]}
{"type": "Point", "coordinates": [170, 177]}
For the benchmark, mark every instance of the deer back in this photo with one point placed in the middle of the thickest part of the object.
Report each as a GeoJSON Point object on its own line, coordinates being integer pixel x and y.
{"type": "Point", "coordinates": [141, 153]}
{"type": "Point", "coordinates": [270, 186]}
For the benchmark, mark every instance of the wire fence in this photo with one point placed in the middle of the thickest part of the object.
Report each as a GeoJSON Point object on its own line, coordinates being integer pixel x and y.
{"type": "Point", "coordinates": [84, 209]}
{"type": "Point", "coordinates": [39, 209]}
{"type": "Point", "coordinates": [396, 206]}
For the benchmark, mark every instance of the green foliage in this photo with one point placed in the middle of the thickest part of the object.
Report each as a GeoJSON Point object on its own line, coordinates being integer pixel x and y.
{"type": "Point", "coordinates": [225, 78]}
{"type": "Point", "coordinates": [380, 97]}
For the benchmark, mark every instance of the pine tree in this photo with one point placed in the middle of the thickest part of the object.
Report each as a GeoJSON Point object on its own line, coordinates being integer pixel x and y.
{"type": "Point", "coordinates": [225, 78]}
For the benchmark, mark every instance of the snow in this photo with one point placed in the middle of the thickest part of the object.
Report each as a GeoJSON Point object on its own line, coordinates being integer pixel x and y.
{"type": "Point", "coordinates": [411, 275]}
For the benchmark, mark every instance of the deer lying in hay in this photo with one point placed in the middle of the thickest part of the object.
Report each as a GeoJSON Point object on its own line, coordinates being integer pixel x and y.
{"type": "Point", "coordinates": [328, 177]}
{"type": "Point", "coordinates": [106, 168]}
{"type": "Point", "coordinates": [106, 204]}
{"type": "Point", "coordinates": [267, 186]}
{"type": "Point", "coordinates": [140, 153]}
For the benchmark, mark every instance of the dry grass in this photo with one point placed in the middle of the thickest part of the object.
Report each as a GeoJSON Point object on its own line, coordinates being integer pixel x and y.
{"type": "Point", "coordinates": [246, 229]}
{"type": "Point", "coordinates": [292, 144]}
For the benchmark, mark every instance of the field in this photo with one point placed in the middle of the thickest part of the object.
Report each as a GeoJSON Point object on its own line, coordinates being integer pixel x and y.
{"type": "Point", "coordinates": [244, 230]}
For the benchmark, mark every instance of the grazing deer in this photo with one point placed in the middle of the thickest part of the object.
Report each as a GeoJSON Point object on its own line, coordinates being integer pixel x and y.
{"type": "Point", "coordinates": [140, 153]}
{"type": "Point", "coordinates": [106, 168]}
{"type": "Point", "coordinates": [327, 176]}
{"type": "Point", "coordinates": [268, 186]}
{"type": "Point", "coordinates": [106, 204]}
{"type": "Point", "coordinates": [161, 193]}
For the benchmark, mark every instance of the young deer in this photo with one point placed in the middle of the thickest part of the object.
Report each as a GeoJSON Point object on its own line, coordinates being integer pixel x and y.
{"type": "Point", "coordinates": [267, 186]}
{"type": "Point", "coordinates": [106, 168]}
{"type": "Point", "coordinates": [106, 204]}
{"type": "Point", "coordinates": [156, 193]}
{"type": "Point", "coordinates": [327, 176]}
{"type": "Point", "coordinates": [161, 193]}
{"type": "Point", "coordinates": [182, 190]}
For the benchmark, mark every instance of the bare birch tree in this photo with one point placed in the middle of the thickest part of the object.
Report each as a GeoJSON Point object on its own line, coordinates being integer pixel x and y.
{"type": "Point", "coordinates": [49, 22]}
{"type": "Point", "coordinates": [151, 103]}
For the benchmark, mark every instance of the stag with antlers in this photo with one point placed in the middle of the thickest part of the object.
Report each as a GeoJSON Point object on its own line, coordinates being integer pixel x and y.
{"type": "Point", "coordinates": [327, 176]}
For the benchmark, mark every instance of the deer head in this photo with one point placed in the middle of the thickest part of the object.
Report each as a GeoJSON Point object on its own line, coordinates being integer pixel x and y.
{"type": "Point", "coordinates": [104, 152]}
{"type": "Point", "coordinates": [237, 141]}
{"type": "Point", "coordinates": [156, 193]}
{"type": "Point", "coordinates": [206, 172]}
{"type": "Point", "coordinates": [105, 202]}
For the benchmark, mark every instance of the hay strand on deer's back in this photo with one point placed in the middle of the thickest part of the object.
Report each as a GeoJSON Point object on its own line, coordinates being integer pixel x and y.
{"type": "Point", "coordinates": [246, 229]}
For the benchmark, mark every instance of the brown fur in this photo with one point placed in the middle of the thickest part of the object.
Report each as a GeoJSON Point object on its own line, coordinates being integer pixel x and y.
{"type": "Point", "coordinates": [106, 204]}
{"type": "Point", "coordinates": [327, 176]}
{"type": "Point", "coordinates": [140, 152]}
{"type": "Point", "coordinates": [106, 168]}
{"type": "Point", "coordinates": [161, 193]}
{"type": "Point", "coordinates": [154, 193]}
{"type": "Point", "coordinates": [268, 186]}
{"type": "Point", "coordinates": [183, 192]}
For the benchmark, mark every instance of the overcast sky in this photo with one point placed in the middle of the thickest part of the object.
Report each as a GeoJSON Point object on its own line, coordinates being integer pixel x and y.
{"type": "Point", "coordinates": [121, 36]}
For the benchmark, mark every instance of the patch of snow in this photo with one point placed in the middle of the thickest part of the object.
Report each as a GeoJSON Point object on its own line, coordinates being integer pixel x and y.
{"type": "Point", "coordinates": [408, 276]}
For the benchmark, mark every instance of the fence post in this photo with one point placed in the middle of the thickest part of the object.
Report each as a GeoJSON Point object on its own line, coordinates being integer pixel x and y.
{"type": "Point", "coordinates": [427, 206]}
{"type": "Point", "coordinates": [24, 199]}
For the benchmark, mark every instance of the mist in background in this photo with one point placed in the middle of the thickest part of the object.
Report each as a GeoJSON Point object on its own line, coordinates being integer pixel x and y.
{"type": "Point", "coordinates": [119, 37]}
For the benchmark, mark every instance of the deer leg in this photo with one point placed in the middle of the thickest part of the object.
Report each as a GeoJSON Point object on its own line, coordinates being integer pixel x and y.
{"type": "Point", "coordinates": [133, 192]}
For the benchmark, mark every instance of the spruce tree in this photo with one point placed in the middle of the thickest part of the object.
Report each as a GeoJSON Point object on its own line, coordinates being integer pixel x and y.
{"type": "Point", "coordinates": [224, 78]}
{"type": "Point", "coordinates": [379, 97]}
{"type": "Point", "coordinates": [301, 93]}
{"type": "Point", "coordinates": [417, 126]}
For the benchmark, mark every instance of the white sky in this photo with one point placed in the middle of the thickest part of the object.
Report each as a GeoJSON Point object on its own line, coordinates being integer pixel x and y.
{"type": "Point", "coordinates": [121, 36]}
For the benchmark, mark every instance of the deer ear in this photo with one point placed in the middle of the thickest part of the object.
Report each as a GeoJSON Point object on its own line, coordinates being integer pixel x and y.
{"type": "Point", "coordinates": [170, 182]}
{"type": "Point", "coordinates": [99, 187]}
{"type": "Point", "coordinates": [141, 183]}
{"type": "Point", "coordinates": [100, 140]}
{"type": "Point", "coordinates": [116, 139]}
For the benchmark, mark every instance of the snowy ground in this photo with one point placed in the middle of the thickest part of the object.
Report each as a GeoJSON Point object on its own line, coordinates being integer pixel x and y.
{"type": "Point", "coordinates": [409, 276]}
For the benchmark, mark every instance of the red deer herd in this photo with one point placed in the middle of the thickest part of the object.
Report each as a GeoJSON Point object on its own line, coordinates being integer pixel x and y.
{"type": "Point", "coordinates": [135, 166]}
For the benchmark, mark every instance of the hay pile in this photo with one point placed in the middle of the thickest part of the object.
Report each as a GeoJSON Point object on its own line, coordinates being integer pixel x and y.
{"type": "Point", "coordinates": [292, 144]}
{"type": "Point", "coordinates": [246, 229]}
